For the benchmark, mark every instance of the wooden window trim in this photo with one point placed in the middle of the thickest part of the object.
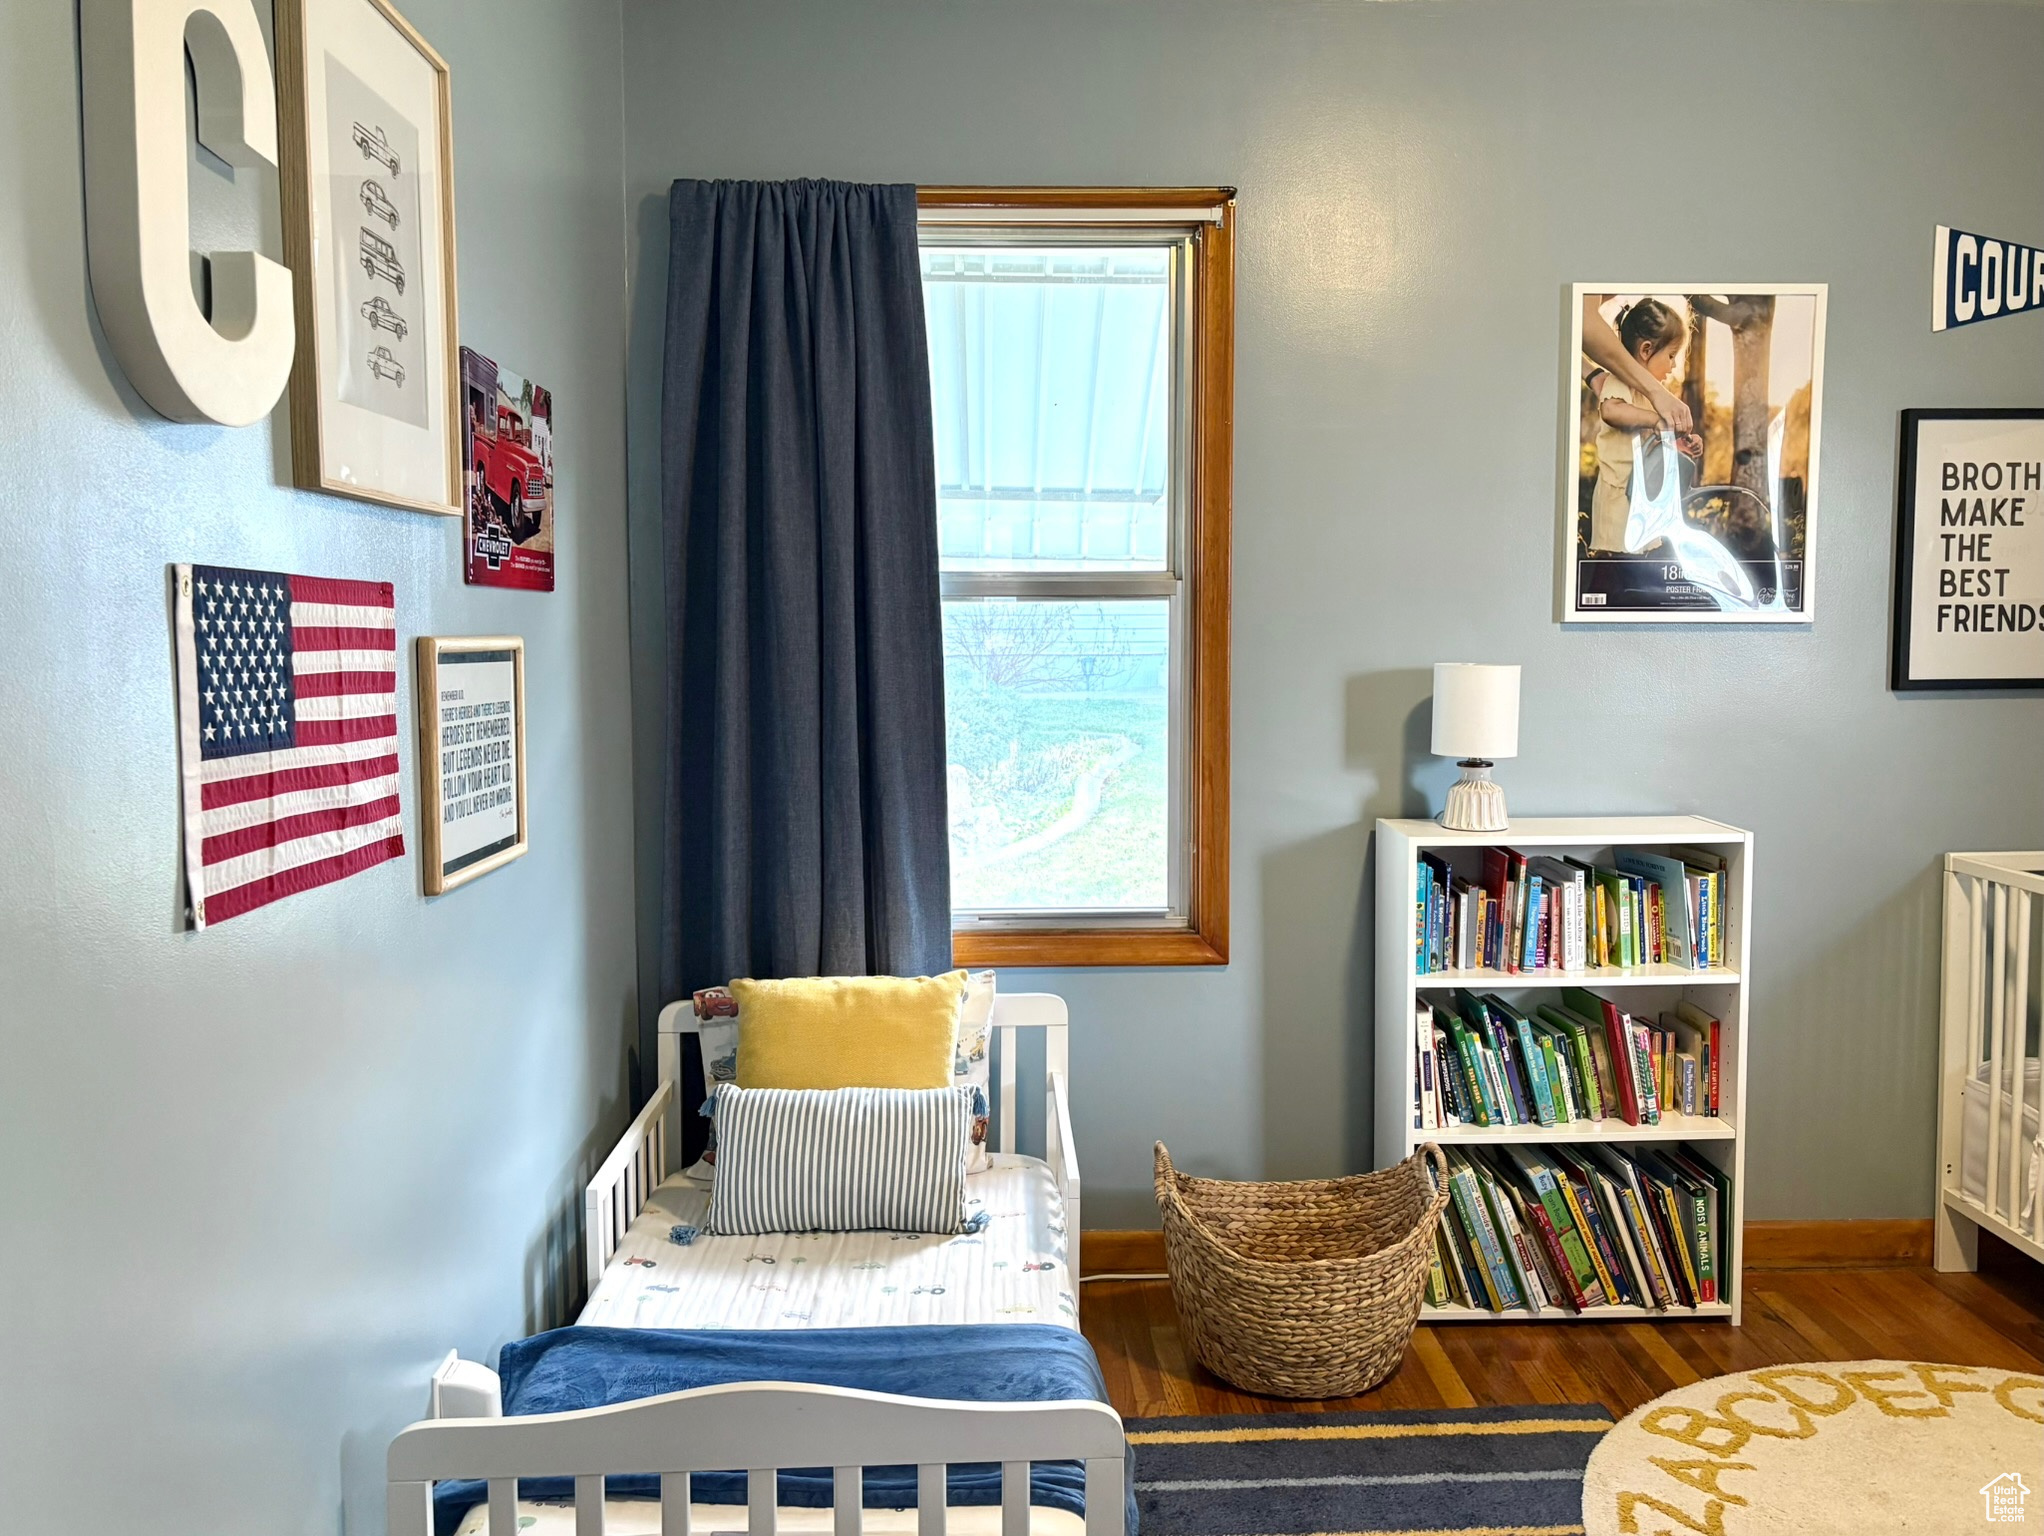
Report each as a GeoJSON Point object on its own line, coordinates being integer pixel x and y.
{"type": "Point", "coordinates": [1203, 940]}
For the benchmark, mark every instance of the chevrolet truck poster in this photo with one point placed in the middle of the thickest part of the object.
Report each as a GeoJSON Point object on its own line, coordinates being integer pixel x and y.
{"type": "Point", "coordinates": [507, 444]}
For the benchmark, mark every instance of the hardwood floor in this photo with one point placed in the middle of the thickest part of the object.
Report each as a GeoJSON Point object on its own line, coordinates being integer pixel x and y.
{"type": "Point", "coordinates": [1995, 1317]}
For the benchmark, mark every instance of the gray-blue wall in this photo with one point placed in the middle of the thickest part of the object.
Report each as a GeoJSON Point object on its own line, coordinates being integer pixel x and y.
{"type": "Point", "coordinates": [1419, 183]}
{"type": "Point", "coordinates": [254, 1181]}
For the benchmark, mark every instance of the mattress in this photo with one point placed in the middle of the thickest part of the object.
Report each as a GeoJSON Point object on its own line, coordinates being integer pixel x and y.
{"type": "Point", "coordinates": [1973, 1140]}
{"type": "Point", "coordinates": [1012, 1271]}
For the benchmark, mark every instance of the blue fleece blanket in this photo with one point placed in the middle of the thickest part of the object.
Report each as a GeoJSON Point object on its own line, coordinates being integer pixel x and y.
{"type": "Point", "coordinates": [572, 1368]}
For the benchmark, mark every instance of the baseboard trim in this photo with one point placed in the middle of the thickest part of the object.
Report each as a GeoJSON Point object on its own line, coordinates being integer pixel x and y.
{"type": "Point", "coordinates": [1880, 1244]}
{"type": "Point", "coordinates": [1121, 1253]}
{"type": "Point", "coordinates": [1769, 1245]}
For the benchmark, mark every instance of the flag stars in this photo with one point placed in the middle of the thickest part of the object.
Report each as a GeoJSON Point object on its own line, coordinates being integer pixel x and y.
{"type": "Point", "coordinates": [240, 632]}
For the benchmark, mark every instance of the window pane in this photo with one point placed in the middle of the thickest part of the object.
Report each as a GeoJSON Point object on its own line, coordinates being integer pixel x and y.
{"type": "Point", "coordinates": [1058, 722]}
{"type": "Point", "coordinates": [1051, 374]}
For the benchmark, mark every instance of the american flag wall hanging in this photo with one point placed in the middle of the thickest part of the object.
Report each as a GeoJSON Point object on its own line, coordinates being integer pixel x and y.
{"type": "Point", "coordinates": [287, 734]}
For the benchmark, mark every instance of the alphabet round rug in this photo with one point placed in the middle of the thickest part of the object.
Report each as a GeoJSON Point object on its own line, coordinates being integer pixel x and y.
{"type": "Point", "coordinates": [1849, 1447]}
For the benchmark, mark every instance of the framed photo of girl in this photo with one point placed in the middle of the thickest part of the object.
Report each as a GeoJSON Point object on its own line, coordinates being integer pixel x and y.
{"type": "Point", "coordinates": [365, 125]}
{"type": "Point", "coordinates": [471, 756]}
{"type": "Point", "coordinates": [1689, 491]}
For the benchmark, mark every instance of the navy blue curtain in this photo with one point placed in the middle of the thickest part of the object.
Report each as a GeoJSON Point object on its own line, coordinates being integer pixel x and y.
{"type": "Point", "coordinates": [805, 807]}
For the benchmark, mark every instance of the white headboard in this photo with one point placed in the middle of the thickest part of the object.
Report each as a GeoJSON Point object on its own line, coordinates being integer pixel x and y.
{"type": "Point", "coordinates": [1014, 1012]}
{"type": "Point", "coordinates": [637, 1164]}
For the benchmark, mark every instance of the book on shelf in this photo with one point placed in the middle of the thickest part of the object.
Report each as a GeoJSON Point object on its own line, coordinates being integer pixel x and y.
{"type": "Point", "coordinates": [1579, 1228]}
{"type": "Point", "coordinates": [1485, 1245]}
{"type": "Point", "coordinates": [1478, 1060]}
{"type": "Point", "coordinates": [1519, 914]}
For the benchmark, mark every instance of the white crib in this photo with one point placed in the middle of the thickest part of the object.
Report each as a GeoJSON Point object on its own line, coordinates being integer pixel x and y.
{"type": "Point", "coordinates": [1990, 1092]}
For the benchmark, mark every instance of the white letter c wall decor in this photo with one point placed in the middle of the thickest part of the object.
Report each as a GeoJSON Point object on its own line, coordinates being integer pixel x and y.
{"type": "Point", "coordinates": [232, 369]}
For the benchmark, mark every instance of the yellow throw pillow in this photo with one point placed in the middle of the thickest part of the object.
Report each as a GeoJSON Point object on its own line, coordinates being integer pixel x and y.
{"type": "Point", "coordinates": [848, 1031]}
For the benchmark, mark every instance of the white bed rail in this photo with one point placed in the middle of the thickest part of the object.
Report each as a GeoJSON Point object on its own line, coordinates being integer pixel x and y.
{"type": "Point", "coordinates": [1991, 1088]}
{"type": "Point", "coordinates": [779, 1423]}
{"type": "Point", "coordinates": [613, 1199]}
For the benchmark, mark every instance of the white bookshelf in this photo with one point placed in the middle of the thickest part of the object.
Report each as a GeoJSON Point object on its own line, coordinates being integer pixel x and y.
{"type": "Point", "coordinates": [1720, 991]}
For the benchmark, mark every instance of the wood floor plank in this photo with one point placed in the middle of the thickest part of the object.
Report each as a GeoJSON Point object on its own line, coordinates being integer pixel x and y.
{"type": "Point", "coordinates": [1552, 1378]}
{"type": "Point", "coordinates": [1908, 1299]}
{"type": "Point", "coordinates": [2022, 1325]}
{"type": "Point", "coordinates": [1620, 1382]}
{"type": "Point", "coordinates": [1653, 1341]}
{"type": "Point", "coordinates": [1828, 1339]}
{"type": "Point", "coordinates": [1791, 1315]}
{"type": "Point", "coordinates": [1174, 1376]}
{"type": "Point", "coordinates": [1447, 1382]}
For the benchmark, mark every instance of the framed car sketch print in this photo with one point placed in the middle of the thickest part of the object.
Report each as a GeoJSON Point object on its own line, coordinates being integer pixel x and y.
{"type": "Point", "coordinates": [1969, 550]}
{"type": "Point", "coordinates": [366, 131]}
{"type": "Point", "coordinates": [471, 756]}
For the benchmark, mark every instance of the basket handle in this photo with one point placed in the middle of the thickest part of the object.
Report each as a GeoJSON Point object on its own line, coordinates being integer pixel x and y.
{"type": "Point", "coordinates": [1166, 1177]}
{"type": "Point", "coordinates": [1438, 1161]}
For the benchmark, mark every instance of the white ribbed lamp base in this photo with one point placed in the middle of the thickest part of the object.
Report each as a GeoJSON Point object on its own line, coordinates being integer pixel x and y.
{"type": "Point", "coordinates": [1475, 803]}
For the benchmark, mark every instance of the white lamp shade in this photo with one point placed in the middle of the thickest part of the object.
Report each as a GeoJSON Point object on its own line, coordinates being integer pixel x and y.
{"type": "Point", "coordinates": [1476, 710]}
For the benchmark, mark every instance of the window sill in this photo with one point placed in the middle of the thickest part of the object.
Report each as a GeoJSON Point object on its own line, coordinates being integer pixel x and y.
{"type": "Point", "coordinates": [1086, 946]}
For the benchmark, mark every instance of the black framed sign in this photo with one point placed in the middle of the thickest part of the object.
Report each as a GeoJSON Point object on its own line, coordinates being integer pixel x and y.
{"type": "Point", "coordinates": [1969, 550]}
{"type": "Point", "coordinates": [471, 756]}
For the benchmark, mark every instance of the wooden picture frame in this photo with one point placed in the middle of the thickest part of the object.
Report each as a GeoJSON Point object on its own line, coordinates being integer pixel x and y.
{"type": "Point", "coordinates": [366, 135]}
{"type": "Point", "coordinates": [1984, 571]}
{"type": "Point", "coordinates": [463, 737]}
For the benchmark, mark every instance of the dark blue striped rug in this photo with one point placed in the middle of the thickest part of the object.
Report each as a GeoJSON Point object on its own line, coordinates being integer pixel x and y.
{"type": "Point", "coordinates": [1442, 1472]}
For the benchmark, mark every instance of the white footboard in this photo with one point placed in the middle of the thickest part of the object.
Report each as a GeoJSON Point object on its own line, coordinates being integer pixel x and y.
{"type": "Point", "coordinates": [762, 1427]}
{"type": "Point", "coordinates": [634, 1169]}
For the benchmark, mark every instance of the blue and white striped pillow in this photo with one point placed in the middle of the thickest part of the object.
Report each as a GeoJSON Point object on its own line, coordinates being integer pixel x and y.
{"type": "Point", "coordinates": [840, 1160]}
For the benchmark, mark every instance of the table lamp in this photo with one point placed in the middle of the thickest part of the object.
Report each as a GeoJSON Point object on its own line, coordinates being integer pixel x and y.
{"type": "Point", "coordinates": [1476, 718]}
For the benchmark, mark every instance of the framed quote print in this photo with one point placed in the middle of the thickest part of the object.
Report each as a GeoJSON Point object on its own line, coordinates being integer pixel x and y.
{"type": "Point", "coordinates": [471, 756]}
{"type": "Point", "coordinates": [1969, 550]}
{"type": "Point", "coordinates": [1689, 492]}
{"type": "Point", "coordinates": [365, 127]}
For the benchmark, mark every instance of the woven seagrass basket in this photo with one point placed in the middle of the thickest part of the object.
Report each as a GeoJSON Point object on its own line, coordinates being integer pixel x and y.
{"type": "Point", "coordinates": [1307, 1289]}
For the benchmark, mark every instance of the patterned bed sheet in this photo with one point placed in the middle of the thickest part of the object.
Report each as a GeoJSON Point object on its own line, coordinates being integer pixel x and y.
{"type": "Point", "coordinates": [667, 1273]}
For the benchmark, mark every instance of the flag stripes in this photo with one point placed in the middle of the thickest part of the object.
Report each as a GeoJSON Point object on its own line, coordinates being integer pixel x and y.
{"type": "Point", "coordinates": [268, 784]}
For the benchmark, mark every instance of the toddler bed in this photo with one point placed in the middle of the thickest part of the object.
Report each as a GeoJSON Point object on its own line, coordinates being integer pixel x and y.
{"type": "Point", "coordinates": [809, 1323]}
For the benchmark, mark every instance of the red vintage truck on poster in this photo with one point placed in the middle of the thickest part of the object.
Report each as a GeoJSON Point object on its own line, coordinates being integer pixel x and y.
{"type": "Point", "coordinates": [508, 441]}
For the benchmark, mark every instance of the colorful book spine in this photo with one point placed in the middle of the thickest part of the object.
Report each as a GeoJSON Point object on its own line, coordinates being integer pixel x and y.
{"type": "Point", "coordinates": [1557, 1256]}
{"type": "Point", "coordinates": [1583, 1202]}
{"type": "Point", "coordinates": [1468, 1198]}
{"type": "Point", "coordinates": [1536, 1070]}
{"type": "Point", "coordinates": [1645, 1239]}
{"type": "Point", "coordinates": [1476, 1093]}
{"type": "Point", "coordinates": [1643, 1074]}
{"type": "Point", "coordinates": [1550, 1186]}
{"type": "Point", "coordinates": [1557, 1078]}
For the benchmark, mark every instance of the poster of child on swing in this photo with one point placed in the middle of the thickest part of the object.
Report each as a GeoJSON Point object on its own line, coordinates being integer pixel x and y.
{"type": "Point", "coordinates": [1692, 491]}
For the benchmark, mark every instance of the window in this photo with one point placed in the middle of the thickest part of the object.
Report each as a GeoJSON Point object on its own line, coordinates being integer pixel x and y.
{"type": "Point", "coordinates": [1081, 363]}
